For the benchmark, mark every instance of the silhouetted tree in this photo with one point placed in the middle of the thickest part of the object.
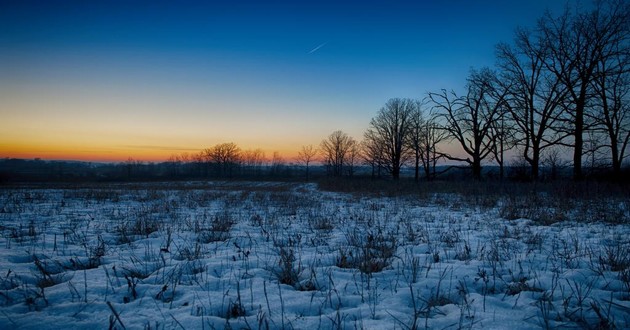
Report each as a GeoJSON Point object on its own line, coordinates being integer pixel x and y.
{"type": "Point", "coordinates": [352, 158]}
{"type": "Point", "coordinates": [129, 165]}
{"type": "Point", "coordinates": [612, 107]}
{"type": "Point", "coordinates": [253, 160]}
{"type": "Point", "coordinates": [432, 136]}
{"type": "Point", "coordinates": [535, 96]}
{"type": "Point", "coordinates": [372, 152]}
{"type": "Point", "coordinates": [174, 164]}
{"type": "Point", "coordinates": [391, 128]}
{"type": "Point", "coordinates": [277, 163]}
{"type": "Point", "coordinates": [306, 156]}
{"type": "Point", "coordinates": [414, 139]}
{"type": "Point", "coordinates": [469, 119]}
{"type": "Point", "coordinates": [225, 157]}
{"type": "Point", "coordinates": [422, 140]}
{"type": "Point", "coordinates": [579, 42]}
{"type": "Point", "coordinates": [335, 149]}
{"type": "Point", "coordinates": [202, 163]}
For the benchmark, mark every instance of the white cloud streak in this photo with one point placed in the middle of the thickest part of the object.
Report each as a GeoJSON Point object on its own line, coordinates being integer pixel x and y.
{"type": "Point", "coordinates": [318, 47]}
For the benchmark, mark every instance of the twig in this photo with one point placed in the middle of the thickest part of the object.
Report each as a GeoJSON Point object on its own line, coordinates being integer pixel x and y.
{"type": "Point", "coordinates": [116, 314]}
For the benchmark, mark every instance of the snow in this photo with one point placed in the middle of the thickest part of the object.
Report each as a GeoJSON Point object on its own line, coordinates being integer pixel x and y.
{"type": "Point", "coordinates": [279, 255]}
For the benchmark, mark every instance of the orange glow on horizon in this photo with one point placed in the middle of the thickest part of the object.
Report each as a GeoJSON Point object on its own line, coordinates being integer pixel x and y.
{"type": "Point", "coordinates": [115, 155]}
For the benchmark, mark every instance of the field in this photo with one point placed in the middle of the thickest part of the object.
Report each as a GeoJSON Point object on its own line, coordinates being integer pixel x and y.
{"type": "Point", "coordinates": [266, 255]}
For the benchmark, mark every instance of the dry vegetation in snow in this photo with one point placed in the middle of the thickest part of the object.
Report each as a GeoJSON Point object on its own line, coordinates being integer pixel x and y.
{"type": "Point", "coordinates": [281, 256]}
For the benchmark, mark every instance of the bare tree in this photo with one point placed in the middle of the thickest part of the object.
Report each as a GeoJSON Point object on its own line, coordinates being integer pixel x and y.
{"type": "Point", "coordinates": [501, 132]}
{"type": "Point", "coordinates": [422, 141]}
{"type": "Point", "coordinates": [253, 161]}
{"type": "Point", "coordinates": [277, 164]}
{"type": "Point", "coordinates": [391, 128]}
{"type": "Point", "coordinates": [352, 158]}
{"type": "Point", "coordinates": [469, 119]}
{"type": "Point", "coordinates": [372, 152]}
{"type": "Point", "coordinates": [335, 150]}
{"type": "Point", "coordinates": [174, 163]}
{"type": "Point", "coordinates": [535, 96]}
{"type": "Point", "coordinates": [201, 162]}
{"type": "Point", "coordinates": [578, 43]}
{"type": "Point", "coordinates": [554, 162]}
{"type": "Point", "coordinates": [225, 157]}
{"type": "Point", "coordinates": [414, 140]}
{"type": "Point", "coordinates": [613, 107]}
{"type": "Point", "coordinates": [306, 156]}
{"type": "Point", "coordinates": [433, 135]}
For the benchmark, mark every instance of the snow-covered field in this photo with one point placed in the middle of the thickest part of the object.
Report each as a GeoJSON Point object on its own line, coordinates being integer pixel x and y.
{"type": "Point", "coordinates": [275, 255]}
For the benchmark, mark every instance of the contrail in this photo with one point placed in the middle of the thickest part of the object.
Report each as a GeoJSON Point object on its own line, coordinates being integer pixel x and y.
{"type": "Point", "coordinates": [318, 47]}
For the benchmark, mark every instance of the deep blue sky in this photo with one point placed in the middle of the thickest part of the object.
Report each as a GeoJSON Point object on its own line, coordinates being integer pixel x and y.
{"type": "Point", "coordinates": [118, 79]}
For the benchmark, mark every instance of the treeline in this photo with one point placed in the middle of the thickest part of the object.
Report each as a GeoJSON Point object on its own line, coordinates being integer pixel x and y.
{"type": "Point", "coordinates": [223, 161]}
{"type": "Point", "coordinates": [557, 97]}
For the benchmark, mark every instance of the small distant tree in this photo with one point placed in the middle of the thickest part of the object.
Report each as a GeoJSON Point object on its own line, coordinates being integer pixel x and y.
{"type": "Point", "coordinates": [306, 156]}
{"type": "Point", "coordinates": [553, 161]}
{"type": "Point", "coordinates": [277, 163]}
{"type": "Point", "coordinates": [225, 157]}
{"type": "Point", "coordinates": [129, 165]}
{"type": "Point", "coordinates": [174, 164]}
{"type": "Point", "coordinates": [334, 150]}
{"type": "Point", "coordinates": [253, 160]}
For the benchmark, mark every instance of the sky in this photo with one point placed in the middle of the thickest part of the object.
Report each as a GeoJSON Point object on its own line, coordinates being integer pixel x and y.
{"type": "Point", "coordinates": [106, 81]}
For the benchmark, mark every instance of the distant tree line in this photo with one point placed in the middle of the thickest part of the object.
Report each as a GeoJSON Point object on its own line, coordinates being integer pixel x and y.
{"type": "Point", "coordinates": [227, 160]}
{"type": "Point", "coordinates": [561, 87]}
{"type": "Point", "coordinates": [222, 161]}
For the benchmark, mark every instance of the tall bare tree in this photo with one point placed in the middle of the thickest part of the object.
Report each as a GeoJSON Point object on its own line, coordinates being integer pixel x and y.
{"type": "Point", "coordinates": [391, 128]}
{"type": "Point", "coordinates": [414, 140]}
{"type": "Point", "coordinates": [578, 42]}
{"type": "Point", "coordinates": [372, 152]}
{"type": "Point", "coordinates": [469, 119]}
{"type": "Point", "coordinates": [335, 149]}
{"type": "Point", "coordinates": [432, 136]}
{"type": "Point", "coordinates": [535, 96]}
{"type": "Point", "coordinates": [422, 141]}
{"type": "Point", "coordinates": [306, 156]}
{"type": "Point", "coordinates": [613, 106]}
{"type": "Point", "coordinates": [502, 132]}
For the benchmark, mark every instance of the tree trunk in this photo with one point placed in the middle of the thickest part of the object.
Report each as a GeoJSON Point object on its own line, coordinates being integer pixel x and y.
{"type": "Point", "coordinates": [579, 141]}
{"type": "Point", "coordinates": [476, 169]}
{"type": "Point", "coordinates": [535, 166]}
{"type": "Point", "coordinates": [616, 163]}
{"type": "Point", "coordinates": [417, 173]}
{"type": "Point", "coordinates": [535, 162]}
{"type": "Point", "coordinates": [396, 172]}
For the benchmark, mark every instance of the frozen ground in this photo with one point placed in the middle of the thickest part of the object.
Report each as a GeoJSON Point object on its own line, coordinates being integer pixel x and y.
{"type": "Point", "coordinates": [271, 255]}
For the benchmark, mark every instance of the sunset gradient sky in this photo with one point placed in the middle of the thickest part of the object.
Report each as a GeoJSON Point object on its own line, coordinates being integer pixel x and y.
{"type": "Point", "coordinates": [105, 81]}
